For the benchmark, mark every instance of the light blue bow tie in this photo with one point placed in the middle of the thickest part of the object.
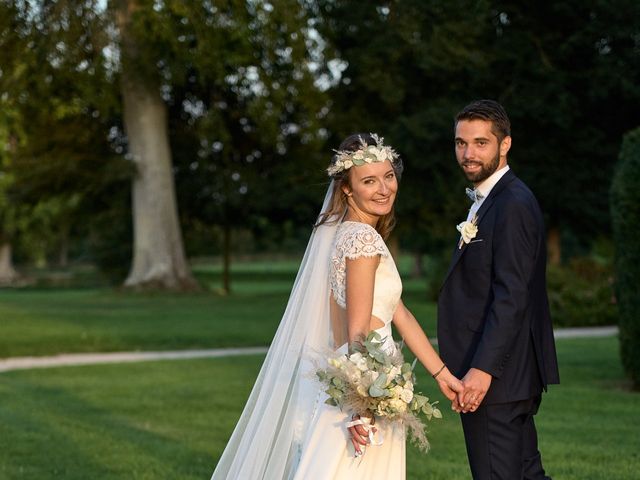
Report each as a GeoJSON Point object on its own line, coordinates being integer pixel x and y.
{"type": "Point", "coordinates": [474, 195]}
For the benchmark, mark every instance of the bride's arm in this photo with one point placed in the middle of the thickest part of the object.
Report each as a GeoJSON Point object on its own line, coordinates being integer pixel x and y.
{"type": "Point", "coordinates": [419, 344]}
{"type": "Point", "coordinates": [360, 281]}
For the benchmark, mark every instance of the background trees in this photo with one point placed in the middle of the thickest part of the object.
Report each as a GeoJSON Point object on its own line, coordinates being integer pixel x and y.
{"type": "Point", "coordinates": [232, 84]}
{"type": "Point", "coordinates": [410, 66]}
{"type": "Point", "coordinates": [237, 85]}
{"type": "Point", "coordinates": [56, 109]}
{"type": "Point", "coordinates": [247, 99]}
{"type": "Point", "coordinates": [565, 72]}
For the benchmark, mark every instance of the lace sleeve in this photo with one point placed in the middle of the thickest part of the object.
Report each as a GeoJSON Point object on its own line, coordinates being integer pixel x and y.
{"type": "Point", "coordinates": [354, 240]}
{"type": "Point", "coordinates": [363, 241]}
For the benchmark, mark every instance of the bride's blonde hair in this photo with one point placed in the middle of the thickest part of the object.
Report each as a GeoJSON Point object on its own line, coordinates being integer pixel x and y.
{"type": "Point", "coordinates": [338, 202]}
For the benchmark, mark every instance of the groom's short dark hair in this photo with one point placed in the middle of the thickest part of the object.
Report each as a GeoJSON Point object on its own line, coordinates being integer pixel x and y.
{"type": "Point", "coordinates": [487, 110]}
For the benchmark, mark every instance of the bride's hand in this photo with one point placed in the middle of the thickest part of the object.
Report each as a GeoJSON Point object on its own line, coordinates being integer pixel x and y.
{"type": "Point", "coordinates": [449, 385]}
{"type": "Point", "coordinates": [360, 435]}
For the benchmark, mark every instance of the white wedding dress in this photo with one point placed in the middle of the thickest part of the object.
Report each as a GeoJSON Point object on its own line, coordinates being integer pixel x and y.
{"type": "Point", "coordinates": [286, 431]}
{"type": "Point", "coordinates": [327, 452]}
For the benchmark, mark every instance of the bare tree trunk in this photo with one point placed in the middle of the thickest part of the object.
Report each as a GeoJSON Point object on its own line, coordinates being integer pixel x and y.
{"type": "Point", "coordinates": [8, 274]}
{"type": "Point", "coordinates": [226, 262]}
{"type": "Point", "coordinates": [554, 251]}
{"type": "Point", "coordinates": [63, 249]}
{"type": "Point", "coordinates": [159, 260]}
{"type": "Point", "coordinates": [418, 265]}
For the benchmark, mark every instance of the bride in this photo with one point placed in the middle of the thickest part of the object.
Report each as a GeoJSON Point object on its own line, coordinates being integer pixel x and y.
{"type": "Point", "coordinates": [347, 285]}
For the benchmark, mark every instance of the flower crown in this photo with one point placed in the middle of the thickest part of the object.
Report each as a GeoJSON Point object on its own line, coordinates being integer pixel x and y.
{"type": "Point", "coordinates": [345, 159]}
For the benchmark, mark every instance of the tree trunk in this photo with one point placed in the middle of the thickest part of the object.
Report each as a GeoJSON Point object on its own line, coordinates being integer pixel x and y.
{"type": "Point", "coordinates": [8, 274]}
{"type": "Point", "coordinates": [226, 260]}
{"type": "Point", "coordinates": [418, 265]}
{"type": "Point", "coordinates": [159, 260]}
{"type": "Point", "coordinates": [63, 248]}
{"type": "Point", "coordinates": [554, 250]}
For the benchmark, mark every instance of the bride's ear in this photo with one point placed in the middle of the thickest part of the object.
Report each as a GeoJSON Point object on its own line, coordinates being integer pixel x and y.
{"type": "Point", "coordinates": [346, 191]}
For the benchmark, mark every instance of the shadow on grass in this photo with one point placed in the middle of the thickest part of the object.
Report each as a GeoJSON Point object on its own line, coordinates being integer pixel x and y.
{"type": "Point", "coordinates": [100, 423]}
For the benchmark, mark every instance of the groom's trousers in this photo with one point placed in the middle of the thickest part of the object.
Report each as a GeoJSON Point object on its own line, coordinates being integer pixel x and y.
{"type": "Point", "coordinates": [502, 442]}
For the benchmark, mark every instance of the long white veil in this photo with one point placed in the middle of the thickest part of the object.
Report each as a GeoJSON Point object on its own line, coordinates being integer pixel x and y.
{"type": "Point", "coordinates": [266, 441]}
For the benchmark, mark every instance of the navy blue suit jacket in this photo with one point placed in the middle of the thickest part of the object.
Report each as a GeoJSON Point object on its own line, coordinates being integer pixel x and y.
{"type": "Point", "coordinates": [493, 311]}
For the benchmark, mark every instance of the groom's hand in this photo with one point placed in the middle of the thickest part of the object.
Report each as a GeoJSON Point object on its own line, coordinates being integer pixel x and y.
{"type": "Point", "coordinates": [476, 384]}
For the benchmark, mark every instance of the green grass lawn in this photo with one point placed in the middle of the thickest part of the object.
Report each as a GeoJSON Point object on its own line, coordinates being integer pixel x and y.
{"type": "Point", "coordinates": [46, 321]}
{"type": "Point", "coordinates": [171, 419]}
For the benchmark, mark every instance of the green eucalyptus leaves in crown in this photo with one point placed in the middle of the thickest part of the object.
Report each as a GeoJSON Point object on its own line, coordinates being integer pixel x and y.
{"type": "Point", "coordinates": [345, 159]}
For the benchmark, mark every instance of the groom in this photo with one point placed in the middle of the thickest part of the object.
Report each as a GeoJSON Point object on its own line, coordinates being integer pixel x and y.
{"type": "Point", "coordinates": [494, 328]}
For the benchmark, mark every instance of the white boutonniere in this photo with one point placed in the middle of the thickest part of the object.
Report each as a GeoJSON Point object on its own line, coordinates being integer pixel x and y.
{"type": "Point", "coordinates": [468, 230]}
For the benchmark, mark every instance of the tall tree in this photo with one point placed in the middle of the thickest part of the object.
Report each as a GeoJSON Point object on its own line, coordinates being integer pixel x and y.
{"type": "Point", "coordinates": [12, 42]}
{"type": "Point", "coordinates": [8, 210]}
{"type": "Point", "coordinates": [233, 119]}
{"type": "Point", "coordinates": [244, 122]}
{"type": "Point", "coordinates": [158, 254]}
{"type": "Point", "coordinates": [8, 273]}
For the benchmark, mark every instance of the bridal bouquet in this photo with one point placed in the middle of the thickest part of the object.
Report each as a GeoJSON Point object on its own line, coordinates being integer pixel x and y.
{"type": "Point", "coordinates": [373, 382]}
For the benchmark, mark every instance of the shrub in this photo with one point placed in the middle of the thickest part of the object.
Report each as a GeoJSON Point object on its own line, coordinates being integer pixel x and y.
{"type": "Point", "coordinates": [625, 216]}
{"type": "Point", "coordinates": [581, 293]}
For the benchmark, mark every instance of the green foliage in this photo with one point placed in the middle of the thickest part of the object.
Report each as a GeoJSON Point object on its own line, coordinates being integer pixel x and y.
{"type": "Point", "coordinates": [58, 98]}
{"type": "Point", "coordinates": [625, 213]}
{"type": "Point", "coordinates": [238, 81]}
{"type": "Point", "coordinates": [581, 293]}
{"type": "Point", "coordinates": [254, 110]}
{"type": "Point", "coordinates": [436, 269]}
{"type": "Point", "coordinates": [237, 77]}
{"type": "Point", "coordinates": [407, 67]}
{"type": "Point", "coordinates": [563, 70]}
{"type": "Point", "coordinates": [566, 70]}
{"type": "Point", "coordinates": [242, 120]}
{"type": "Point", "coordinates": [110, 236]}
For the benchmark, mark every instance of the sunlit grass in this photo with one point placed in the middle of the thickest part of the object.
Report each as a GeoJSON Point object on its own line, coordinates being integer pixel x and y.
{"type": "Point", "coordinates": [171, 420]}
{"type": "Point", "coordinates": [49, 321]}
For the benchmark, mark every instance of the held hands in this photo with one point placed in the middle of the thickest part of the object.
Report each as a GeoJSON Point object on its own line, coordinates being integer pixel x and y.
{"type": "Point", "coordinates": [476, 384]}
{"type": "Point", "coordinates": [449, 385]}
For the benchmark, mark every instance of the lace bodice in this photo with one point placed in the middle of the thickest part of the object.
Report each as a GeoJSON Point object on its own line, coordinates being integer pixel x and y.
{"type": "Point", "coordinates": [354, 240]}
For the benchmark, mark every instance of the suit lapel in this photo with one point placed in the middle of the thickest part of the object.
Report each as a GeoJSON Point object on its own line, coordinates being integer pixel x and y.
{"type": "Point", "coordinates": [486, 205]}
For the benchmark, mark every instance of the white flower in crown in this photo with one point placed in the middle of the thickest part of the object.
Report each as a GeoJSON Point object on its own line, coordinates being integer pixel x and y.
{"type": "Point", "coordinates": [468, 231]}
{"type": "Point", "coordinates": [345, 159]}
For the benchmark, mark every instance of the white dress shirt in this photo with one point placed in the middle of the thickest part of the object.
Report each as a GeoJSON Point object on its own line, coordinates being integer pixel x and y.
{"type": "Point", "coordinates": [485, 189]}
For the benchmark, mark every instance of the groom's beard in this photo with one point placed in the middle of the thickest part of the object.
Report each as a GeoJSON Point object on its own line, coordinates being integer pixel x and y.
{"type": "Point", "coordinates": [485, 170]}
